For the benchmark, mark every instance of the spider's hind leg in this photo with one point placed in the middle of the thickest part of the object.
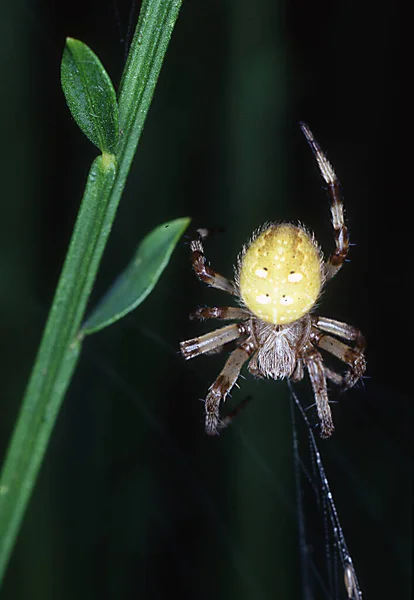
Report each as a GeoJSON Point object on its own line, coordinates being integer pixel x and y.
{"type": "Point", "coordinates": [314, 363]}
{"type": "Point", "coordinates": [352, 356]}
{"type": "Point", "coordinates": [333, 376]}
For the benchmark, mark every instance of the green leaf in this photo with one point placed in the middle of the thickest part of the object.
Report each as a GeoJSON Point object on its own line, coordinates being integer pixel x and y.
{"type": "Point", "coordinates": [140, 276]}
{"type": "Point", "coordinates": [90, 95]}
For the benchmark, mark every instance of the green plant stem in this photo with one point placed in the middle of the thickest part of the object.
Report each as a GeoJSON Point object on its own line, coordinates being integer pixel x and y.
{"type": "Point", "coordinates": [61, 343]}
{"type": "Point", "coordinates": [57, 356]}
{"type": "Point", "coordinates": [140, 76]}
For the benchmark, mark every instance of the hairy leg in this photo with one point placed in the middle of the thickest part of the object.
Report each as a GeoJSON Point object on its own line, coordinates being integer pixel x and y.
{"type": "Point", "coordinates": [223, 384]}
{"type": "Point", "coordinates": [337, 258]}
{"type": "Point", "coordinates": [354, 357]}
{"type": "Point", "coordinates": [228, 419]}
{"type": "Point", "coordinates": [337, 378]}
{"type": "Point", "coordinates": [220, 312]}
{"type": "Point", "coordinates": [212, 340]}
{"type": "Point", "coordinates": [330, 374]}
{"type": "Point", "coordinates": [314, 363]}
{"type": "Point", "coordinates": [202, 270]}
{"type": "Point", "coordinates": [343, 330]}
{"type": "Point", "coordinates": [297, 374]}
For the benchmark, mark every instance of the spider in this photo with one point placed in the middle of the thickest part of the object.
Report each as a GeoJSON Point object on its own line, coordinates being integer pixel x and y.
{"type": "Point", "coordinates": [279, 277]}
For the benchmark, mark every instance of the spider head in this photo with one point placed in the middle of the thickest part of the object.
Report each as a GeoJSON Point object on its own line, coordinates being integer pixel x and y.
{"type": "Point", "coordinates": [280, 273]}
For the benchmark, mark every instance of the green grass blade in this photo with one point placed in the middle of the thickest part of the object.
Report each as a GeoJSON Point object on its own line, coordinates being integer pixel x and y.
{"type": "Point", "coordinates": [90, 95]}
{"type": "Point", "coordinates": [145, 57]}
{"type": "Point", "coordinates": [140, 276]}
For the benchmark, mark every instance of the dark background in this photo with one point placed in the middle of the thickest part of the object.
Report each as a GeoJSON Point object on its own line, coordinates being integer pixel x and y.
{"type": "Point", "coordinates": [133, 500]}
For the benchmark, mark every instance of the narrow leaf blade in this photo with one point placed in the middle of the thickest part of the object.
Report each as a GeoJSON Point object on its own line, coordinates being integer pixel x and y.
{"type": "Point", "coordinates": [140, 276]}
{"type": "Point", "coordinates": [90, 95]}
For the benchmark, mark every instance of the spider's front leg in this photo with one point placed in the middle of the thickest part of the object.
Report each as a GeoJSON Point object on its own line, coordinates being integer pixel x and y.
{"type": "Point", "coordinates": [223, 384]}
{"type": "Point", "coordinates": [201, 268]}
{"type": "Point", "coordinates": [337, 258]}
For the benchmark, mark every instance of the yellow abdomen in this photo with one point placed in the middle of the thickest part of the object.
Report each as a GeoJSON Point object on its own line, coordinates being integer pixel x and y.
{"type": "Point", "coordinates": [280, 275]}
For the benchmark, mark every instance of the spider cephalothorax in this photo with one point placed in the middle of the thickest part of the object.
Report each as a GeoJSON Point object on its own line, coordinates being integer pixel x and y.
{"type": "Point", "coordinates": [279, 277]}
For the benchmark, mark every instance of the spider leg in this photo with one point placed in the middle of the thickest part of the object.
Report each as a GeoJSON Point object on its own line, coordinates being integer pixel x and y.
{"type": "Point", "coordinates": [202, 270]}
{"type": "Point", "coordinates": [343, 330]}
{"type": "Point", "coordinates": [333, 375]}
{"type": "Point", "coordinates": [298, 373]}
{"type": "Point", "coordinates": [223, 384]}
{"type": "Point", "coordinates": [212, 340]}
{"type": "Point", "coordinates": [314, 363]}
{"type": "Point", "coordinates": [337, 258]}
{"type": "Point", "coordinates": [228, 419]}
{"type": "Point", "coordinates": [354, 357]}
{"type": "Point", "coordinates": [217, 312]}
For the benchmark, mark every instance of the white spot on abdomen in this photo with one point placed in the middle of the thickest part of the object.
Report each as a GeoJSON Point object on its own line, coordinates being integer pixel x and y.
{"type": "Point", "coordinates": [263, 299]}
{"type": "Point", "coordinates": [295, 277]}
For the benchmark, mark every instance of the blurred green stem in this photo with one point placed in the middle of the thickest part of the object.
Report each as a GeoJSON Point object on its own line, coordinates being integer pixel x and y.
{"type": "Point", "coordinates": [61, 343]}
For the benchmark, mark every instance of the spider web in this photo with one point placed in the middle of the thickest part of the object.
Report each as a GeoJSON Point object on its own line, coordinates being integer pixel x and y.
{"type": "Point", "coordinates": [334, 559]}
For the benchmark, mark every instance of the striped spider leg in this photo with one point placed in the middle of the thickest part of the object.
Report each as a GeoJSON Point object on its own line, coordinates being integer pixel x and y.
{"type": "Point", "coordinates": [351, 355]}
{"type": "Point", "coordinates": [337, 258]}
